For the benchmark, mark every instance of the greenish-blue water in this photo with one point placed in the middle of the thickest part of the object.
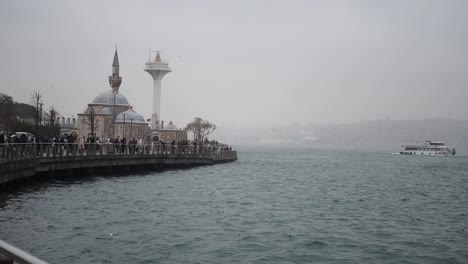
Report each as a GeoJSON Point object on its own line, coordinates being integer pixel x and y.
{"type": "Point", "coordinates": [271, 206]}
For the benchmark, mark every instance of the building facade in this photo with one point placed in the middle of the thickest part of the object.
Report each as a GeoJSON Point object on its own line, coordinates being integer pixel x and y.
{"type": "Point", "coordinates": [109, 111]}
{"type": "Point", "coordinates": [129, 124]}
{"type": "Point", "coordinates": [171, 133]}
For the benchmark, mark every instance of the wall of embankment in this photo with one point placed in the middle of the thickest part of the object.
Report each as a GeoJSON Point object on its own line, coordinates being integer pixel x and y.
{"type": "Point", "coordinates": [20, 170]}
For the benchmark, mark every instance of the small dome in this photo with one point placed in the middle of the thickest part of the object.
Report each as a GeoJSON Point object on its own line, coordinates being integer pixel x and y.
{"type": "Point", "coordinates": [171, 126]}
{"type": "Point", "coordinates": [106, 111]}
{"type": "Point", "coordinates": [107, 98]}
{"type": "Point", "coordinates": [129, 116]}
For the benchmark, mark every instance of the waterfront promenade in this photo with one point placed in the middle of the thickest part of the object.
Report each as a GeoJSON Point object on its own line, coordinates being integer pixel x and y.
{"type": "Point", "coordinates": [23, 161]}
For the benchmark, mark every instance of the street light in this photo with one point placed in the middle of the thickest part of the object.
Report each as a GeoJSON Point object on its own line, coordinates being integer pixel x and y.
{"type": "Point", "coordinates": [123, 129]}
{"type": "Point", "coordinates": [113, 112]}
{"type": "Point", "coordinates": [40, 112]}
{"type": "Point", "coordinates": [131, 130]}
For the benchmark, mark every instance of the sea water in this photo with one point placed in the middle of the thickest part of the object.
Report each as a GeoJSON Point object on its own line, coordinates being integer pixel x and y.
{"type": "Point", "coordinates": [271, 206]}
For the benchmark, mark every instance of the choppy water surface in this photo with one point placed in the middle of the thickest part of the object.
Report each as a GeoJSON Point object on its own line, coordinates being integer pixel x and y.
{"type": "Point", "coordinates": [271, 206]}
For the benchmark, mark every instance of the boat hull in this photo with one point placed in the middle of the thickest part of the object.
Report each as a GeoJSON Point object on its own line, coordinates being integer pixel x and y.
{"type": "Point", "coordinates": [427, 153]}
{"type": "Point", "coordinates": [429, 148]}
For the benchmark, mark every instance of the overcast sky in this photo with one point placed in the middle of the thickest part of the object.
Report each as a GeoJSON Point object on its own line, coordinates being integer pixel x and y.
{"type": "Point", "coordinates": [244, 63]}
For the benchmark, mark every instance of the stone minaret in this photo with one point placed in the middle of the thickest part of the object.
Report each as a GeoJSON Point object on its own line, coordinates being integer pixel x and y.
{"type": "Point", "coordinates": [115, 80]}
{"type": "Point", "coordinates": [157, 69]}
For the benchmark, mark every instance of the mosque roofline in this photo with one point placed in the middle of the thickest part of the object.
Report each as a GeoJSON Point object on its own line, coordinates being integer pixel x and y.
{"type": "Point", "coordinates": [128, 122]}
{"type": "Point", "coordinates": [110, 105]}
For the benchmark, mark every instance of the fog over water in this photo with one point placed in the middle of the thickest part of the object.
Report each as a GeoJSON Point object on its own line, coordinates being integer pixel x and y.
{"type": "Point", "coordinates": [244, 63]}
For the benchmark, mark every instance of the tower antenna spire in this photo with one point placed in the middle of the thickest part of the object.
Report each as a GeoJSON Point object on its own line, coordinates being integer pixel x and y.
{"type": "Point", "coordinates": [157, 69]}
{"type": "Point", "coordinates": [158, 56]}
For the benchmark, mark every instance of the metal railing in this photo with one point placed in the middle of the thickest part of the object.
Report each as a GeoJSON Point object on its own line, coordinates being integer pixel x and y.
{"type": "Point", "coordinates": [11, 254]}
{"type": "Point", "coordinates": [27, 151]}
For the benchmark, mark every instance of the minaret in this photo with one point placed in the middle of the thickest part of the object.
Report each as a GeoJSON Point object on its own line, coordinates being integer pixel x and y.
{"type": "Point", "coordinates": [115, 80]}
{"type": "Point", "coordinates": [157, 69]}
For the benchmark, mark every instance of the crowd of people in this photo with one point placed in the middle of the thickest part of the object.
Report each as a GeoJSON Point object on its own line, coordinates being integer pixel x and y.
{"type": "Point", "coordinates": [72, 138]}
{"type": "Point", "coordinates": [73, 142]}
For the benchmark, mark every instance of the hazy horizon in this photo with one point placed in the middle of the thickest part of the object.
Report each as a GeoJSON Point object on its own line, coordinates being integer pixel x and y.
{"type": "Point", "coordinates": [244, 63]}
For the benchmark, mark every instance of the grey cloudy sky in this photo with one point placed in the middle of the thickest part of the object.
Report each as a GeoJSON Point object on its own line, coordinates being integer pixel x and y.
{"type": "Point", "coordinates": [244, 63]}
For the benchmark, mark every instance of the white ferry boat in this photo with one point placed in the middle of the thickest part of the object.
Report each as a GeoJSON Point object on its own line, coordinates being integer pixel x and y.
{"type": "Point", "coordinates": [428, 148]}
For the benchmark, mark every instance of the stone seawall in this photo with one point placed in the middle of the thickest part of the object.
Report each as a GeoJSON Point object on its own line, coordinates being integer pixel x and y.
{"type": "Point", "coordinates": [16, 170]}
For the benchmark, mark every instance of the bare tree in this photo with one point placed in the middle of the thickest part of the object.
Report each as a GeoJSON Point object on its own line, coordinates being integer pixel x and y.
{"type": "Point", "coordinates": [91, 115]}
{"type": "Point", "coordinates": [36, 98]}
{"type": "Point", "coordinates": [201, 128]}
{"type": "Point", "coordinates": [52, 115]}
{"type": "Point", "coordinates": [51, 127]}
{"type": "Point", "coordinates": [7, 112]}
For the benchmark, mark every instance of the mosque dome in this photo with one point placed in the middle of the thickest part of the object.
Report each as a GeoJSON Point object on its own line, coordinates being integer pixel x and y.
{"type": "Point", "coordinates": [107, 98]}
{"type": "Point", "coordinates": [106, 111]}
{"type": "Point", "coordinates": [130, 115]}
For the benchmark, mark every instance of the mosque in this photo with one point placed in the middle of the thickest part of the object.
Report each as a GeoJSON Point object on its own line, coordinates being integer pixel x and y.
{"type": "Point", "coordinates": [114, 117]}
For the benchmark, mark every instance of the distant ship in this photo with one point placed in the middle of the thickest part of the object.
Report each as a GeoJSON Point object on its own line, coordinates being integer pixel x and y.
{"type": "Point", "coordinates": [429, 148]}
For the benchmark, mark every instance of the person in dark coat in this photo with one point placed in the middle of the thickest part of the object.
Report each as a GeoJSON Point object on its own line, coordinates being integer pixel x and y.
{"type": "Point", "coordinates": [2, 141]}
{"type": "Point", "coordinates": [71, 146]}
{"type": "Point", "coordinates": [123, 143]}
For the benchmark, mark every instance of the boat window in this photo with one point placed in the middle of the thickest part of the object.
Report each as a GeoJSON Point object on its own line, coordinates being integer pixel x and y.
{"type": "Point", "coordinates": [411, 148]}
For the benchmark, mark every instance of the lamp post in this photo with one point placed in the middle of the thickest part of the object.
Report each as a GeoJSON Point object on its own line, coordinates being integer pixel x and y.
{"type": "Point", "coordinates": [40, 116]}
{"type": "Point", "coordinates": [123, 129]}
{"type": "Point", "coordinates": [113, 113]}
{"type": "Point", "coordinates": [131, 130]}
{"type": "Point", "coordinates": [40, 113]}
